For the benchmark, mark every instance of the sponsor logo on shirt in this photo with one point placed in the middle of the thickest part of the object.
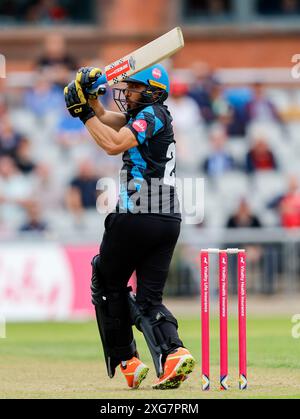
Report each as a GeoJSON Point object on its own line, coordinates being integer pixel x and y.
{"type": "Point", "coordinates": [140, 125]}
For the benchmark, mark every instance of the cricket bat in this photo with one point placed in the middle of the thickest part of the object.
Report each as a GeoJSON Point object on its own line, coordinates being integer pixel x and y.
{"type": "Point", "coordinates": [150, 54]}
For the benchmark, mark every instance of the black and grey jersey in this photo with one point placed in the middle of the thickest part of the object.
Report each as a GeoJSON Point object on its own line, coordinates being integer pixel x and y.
{"type": "Point", "coordinates": [148, 175]}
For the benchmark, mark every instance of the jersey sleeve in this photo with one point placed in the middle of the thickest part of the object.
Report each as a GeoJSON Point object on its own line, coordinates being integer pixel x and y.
{"type": "Point", "coordinates": [144, 126]}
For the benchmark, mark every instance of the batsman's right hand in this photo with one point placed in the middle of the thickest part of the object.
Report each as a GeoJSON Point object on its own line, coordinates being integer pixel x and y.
{"type": "Point", "coordinates": [86, 76]}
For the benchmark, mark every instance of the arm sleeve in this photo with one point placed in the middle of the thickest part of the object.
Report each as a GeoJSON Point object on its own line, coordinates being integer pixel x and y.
{"type": "Point", "coordinates": [143, 126]}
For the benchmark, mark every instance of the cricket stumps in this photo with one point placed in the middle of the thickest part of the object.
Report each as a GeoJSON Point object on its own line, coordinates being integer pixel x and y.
{"type": "Point", "coordinates": [223, 313]}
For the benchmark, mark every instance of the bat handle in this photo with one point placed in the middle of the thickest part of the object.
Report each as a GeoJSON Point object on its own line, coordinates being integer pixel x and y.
{"type": "Point", "coordinates": [95, 86]}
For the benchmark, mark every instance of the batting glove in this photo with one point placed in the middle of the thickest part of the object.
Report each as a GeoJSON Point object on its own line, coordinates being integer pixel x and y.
{"type": "Point", "coordinates": [76, 102]}
{"type": "Point", "coordinates": [86, 76]}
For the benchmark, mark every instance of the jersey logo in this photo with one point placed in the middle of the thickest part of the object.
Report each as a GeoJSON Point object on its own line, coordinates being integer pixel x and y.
{"type": "Point", "coordinates": [140, 125]}
{"type": "Point", "coordinates": [156, 73]}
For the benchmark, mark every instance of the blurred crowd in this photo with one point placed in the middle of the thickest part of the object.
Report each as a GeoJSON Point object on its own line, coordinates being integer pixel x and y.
{"type": "Point", "coordinates": [245, 141]}
{"type": "Point", "coordinates": [42, 12]}
{"type": "Point", "coordinates": [242, 139]}
{"type": "Point", "coordinates": [49, 166]}
{"type": "Point", "coordinates": [220, 9]}
{"type": "Point", "coordinates": [50, 12]}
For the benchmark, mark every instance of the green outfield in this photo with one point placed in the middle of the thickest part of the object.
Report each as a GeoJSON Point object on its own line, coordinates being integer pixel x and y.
{"type": "Point", "coordinates": [64, 360]}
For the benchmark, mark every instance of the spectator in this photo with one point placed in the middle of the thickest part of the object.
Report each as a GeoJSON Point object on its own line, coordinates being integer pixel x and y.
{"type": "Point", "coordinates": [210, 97]}
{"type": "Point", "coordinates": [46, 11]}
{"type": "Point", "coordinates": [260, 157]}
{"type": "Point", "coordinates": [34, 222]}
{"type": "Point", "coordinates": [55, 53]}
{"type": "Point", "coordinates": [256, 254]}
{"type": "Point", "coordinates": [23, 157]}
{"type": "Point", "coordinates": [219, 161]}
{"type": "Point", "coordinates": [238, 97]}
{"type": "Point", "coordinates": [9, 138]}
{"type": "Point", "coordinates": [222, 110]}
{"type": "Point", "coordinates": [187, 126]}
{"type": "Point", "coordinates": [15, 192]}
{"type": "Point", "coordinates": [48, 187]}
{"type": "Point", "coordinates": [82, 193]}
{"type": "Point", "coordinates": [261, 109]}
{"type": "Point", "coordinates": [201, 89]}
{"type": "Point", "coordinates": [44, 99]}
{"type": "Point", "coordinates": [56, 61]}
{"type": "Point", "coordinates": [243, 218]}
{"type": "Point", "coordinates": [288, 205]}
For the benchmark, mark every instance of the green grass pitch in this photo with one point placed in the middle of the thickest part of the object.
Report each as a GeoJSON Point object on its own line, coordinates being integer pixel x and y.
{"type": "Point", "coordinates": [64, 360]}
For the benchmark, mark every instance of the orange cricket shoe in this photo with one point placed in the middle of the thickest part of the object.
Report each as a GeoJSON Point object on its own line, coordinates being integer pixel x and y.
{"type": "Point", "coordinates": [177, 367]}
{"type": "Point", "coordinates": [135, 372]}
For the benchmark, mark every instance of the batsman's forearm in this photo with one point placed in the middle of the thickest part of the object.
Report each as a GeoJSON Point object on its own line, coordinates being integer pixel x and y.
{"type": "Point", "coordinates": [97, 107]}
{"type": "Point", "coordinates": [115, 120]}
{"type": "Point", "coordinates": [105, 136]}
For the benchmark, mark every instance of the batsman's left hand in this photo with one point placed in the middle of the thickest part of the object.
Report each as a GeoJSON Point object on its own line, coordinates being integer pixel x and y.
{"type": "Point", "coordinates": [86, 76]}
{"type": "Point", "coordinates": [76, 102]}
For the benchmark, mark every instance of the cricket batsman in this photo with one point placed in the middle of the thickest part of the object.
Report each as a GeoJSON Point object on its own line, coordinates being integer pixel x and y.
{"type": "Point", "coordinates": [141, 234]}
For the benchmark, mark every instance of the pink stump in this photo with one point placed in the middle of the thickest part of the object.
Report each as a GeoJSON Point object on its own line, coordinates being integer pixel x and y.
{"type": "Point", "coordinates": [223, 299]}
{"type": "Point", "coordinates": [205, 320]}
{"type": "Point", "coordinates": [242, 296]}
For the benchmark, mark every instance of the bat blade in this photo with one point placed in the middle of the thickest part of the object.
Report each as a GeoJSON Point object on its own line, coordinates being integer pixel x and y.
{"type": "Point", "coordinates": [144, 57]}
